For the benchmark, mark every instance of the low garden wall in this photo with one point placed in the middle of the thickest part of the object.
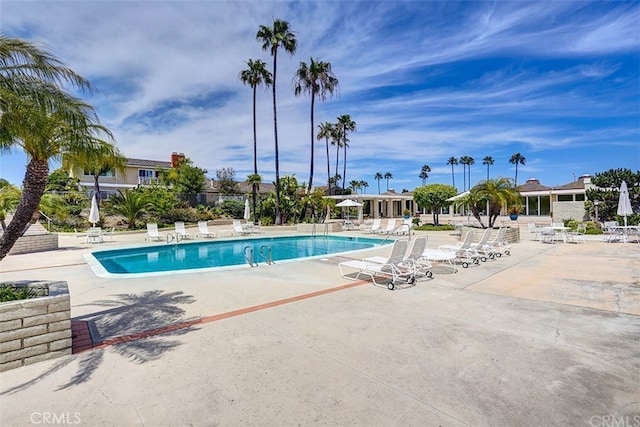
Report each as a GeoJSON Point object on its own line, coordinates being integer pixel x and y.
{"type": "Point", "coordinates": [332, 227]}
{"type": "Point", "coordinates": [35, 329]}
{"type": "Point", "coordinates": [35, 243]}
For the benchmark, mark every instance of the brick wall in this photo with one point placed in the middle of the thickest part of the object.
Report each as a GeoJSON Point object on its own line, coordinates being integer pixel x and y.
{"type": "Point", "coordinates": [569, 210]}
{"type": "Point", "coordinates": [35, 329]}
{"type": "Point", "coordinates": [35, 243]}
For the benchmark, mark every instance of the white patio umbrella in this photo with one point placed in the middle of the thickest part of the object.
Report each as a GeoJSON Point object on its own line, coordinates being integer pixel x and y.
{"type": "Point", "coordinates": [624, 203]}
{"type": "Point", "coordinates": [94, 213]}
{"type": "Point", "coordinates": [348, 203]}
{"type": "Point", "coordinates": [247, 211]}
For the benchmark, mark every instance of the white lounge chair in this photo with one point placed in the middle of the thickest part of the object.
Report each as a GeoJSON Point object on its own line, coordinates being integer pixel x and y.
{"type": "Point", "coordinates": [152, 232]}
{"type": "Point", "coordinates": [393, 268]}
{"type": "Point", "coordinates": [466, 254]}
{"type": "Point", "coordinates": [405, 227]}
{"type": "Point", "coordinates": [500, 243]}
{"type": "Point", "coordinates": [391, 225]}
{"type": "Point", "coordinates": [484, 248]}
{"type": "Point", "coordinates": [375, 226]}
{"type": "Point", "coordinates": [181, 230]}
{"type": "Point", "coordinates": [239, 229]}
{"type": "Point", "coordinates": [203, 230]}
{"type": "Point", "coordinates": [416, 256]}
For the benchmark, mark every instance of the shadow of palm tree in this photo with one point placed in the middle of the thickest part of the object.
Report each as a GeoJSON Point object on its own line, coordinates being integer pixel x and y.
{"type": "Point", "coordinates": [131, 313]}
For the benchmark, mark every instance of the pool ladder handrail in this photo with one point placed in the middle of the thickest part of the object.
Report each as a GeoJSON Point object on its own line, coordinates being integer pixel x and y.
{"type": "Point", "coordinates": [325, 229]}
{"type": "Point", "coordinates": [268, 258]}
{"type": "Point", "coordinates": [171, 237]}
{"type": "Point", "coordinates": [248, 256]}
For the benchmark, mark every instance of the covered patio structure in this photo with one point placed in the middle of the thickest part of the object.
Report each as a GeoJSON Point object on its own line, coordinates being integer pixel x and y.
{"type": "Point", "coordinates": [385, 205]}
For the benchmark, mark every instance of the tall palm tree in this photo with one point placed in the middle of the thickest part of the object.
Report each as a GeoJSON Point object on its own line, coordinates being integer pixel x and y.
{"type": "Point", "coordinates": [464, 161]}
{"type": "Point", "coordinates": [424, 174]}
{"type": "Point", "coordinates": [280, 35]}
{"type": "Point", "coordinates": [452, 161]}
{"type": "Point", "coordinates": [255, 75]}
{"type": "Point", "coordinates": [344, 125]}
{"type": "Point", "coordinates": [336, 140]}
{"type": "Point", "coordinates": [517, 159]}
{"type": "Point", "coordinates": [315, 79]}
{"type": "Point", "coordinates": [326, 130]}
{"type": "Point", "coordinates": [355, 185]}
{"type": "Point", "coordinates": [488, 160]}
{"type": "Point", "coordinates": [364, 185]}
{"type": "Point", "coordinates": [254, 179]}
{"type": "Point", "coordinates": [42, 119]}
{"type": "Point", "coordinates": [378, 176]}
{"type": "Point", "coordinates": [388, 176]}
{"type": "Point", "coordinates": [470, 161]}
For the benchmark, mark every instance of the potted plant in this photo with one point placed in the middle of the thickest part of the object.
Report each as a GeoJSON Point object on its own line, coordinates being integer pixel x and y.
{"type": "Point", "coordinates": [406, 213]}
{"type": "Point", "coordinates": [513, 212]}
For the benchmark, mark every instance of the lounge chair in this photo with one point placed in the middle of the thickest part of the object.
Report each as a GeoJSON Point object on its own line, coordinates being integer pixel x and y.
{"type": "Point", "coordinates": [394, 268]}
{"type": "Point", "coordinates": [181, 230]}
{"type": "Point", "coordinates": [152, 232]}
{"type": "Point", "coordinates": [416, 256]}
{"type": "Point", "coordinates": [391, 226]}
{"type": "Point", "coordinates": [203, 230]}
{"type": "Point", "coordinates": [484, 248]}
{"type": "Point", "coordinates": [466, 254]}
{"type": "Point", "coordinates": [375, 226]}
{"type": "Point", "coordinates": [238, 228]}
{"type": "Point", "coordinates": [500, 243]}
{"type": "Point", "coordinates": [405, 227]}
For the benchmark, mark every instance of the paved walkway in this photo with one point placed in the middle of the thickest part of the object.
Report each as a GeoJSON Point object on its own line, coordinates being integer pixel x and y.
{"type": "Point", "coordinates": [546, 336]}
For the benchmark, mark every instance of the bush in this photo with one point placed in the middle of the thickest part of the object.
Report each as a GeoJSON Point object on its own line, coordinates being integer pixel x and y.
{"type": "Point", "coordinates": [592, 228]}
{"type": "Point", "coordinates": [233, 208]}
{"type": "Point", "coordinates": [179, 214]}
{"type": "Point", "coordinates": [431, 227]}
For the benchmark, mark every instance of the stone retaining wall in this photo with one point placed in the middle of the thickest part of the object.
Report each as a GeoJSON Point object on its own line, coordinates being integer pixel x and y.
{"type": "Point", "coordinates": [35, 329]}
{"type": "Point", "coordinates": [333, 227]}
{"type": "Point", "coordinates": [35, 243]}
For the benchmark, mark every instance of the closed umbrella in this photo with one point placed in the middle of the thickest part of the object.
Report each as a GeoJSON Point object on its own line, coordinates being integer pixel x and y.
{"type": "Point", "coordinates": [94, 213]}
{"type": "Point", "coordinates": [624, 203]}
{"type": "Point", "coordinates": [247, 211]}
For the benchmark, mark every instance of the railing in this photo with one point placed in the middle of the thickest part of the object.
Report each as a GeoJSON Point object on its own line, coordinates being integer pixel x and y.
{"type": "Point", "coordinates": [268, 257]}
{"type": "Point", "coordinates": [248, 256]}
{"type": "Point", "coordinates": [48, 220]}
{"type": "Point", "coordinates": [325, 229]}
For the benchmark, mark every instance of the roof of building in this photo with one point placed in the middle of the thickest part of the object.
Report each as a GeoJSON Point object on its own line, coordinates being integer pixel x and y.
{"type": "Point", "coordinates": [532, 184]}
{"type": "Point", "coordinates": [149, 163]}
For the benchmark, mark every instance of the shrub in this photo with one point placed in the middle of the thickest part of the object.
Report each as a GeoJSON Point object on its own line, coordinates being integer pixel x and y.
{"type": "Point", "coordinates": [179, 214]}
{"type": "Point", "coordinates": [233, 208]}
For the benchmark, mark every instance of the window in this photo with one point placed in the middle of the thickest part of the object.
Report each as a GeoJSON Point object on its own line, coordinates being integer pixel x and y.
{"type": "Point", "coordinates": [105, 174]}
{"type": "Point", "coordinates": [565, 197]}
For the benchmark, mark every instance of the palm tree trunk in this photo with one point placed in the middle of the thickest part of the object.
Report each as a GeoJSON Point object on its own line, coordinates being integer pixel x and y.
{"type": "Point", "coordinates": [344, 166]}
{"type": "Point", "coordinates": [278, 220]}
{"type": "Point", "coordinates": [313, 96]}
{"type": "Point", "coordinates": [254, 186]}
{"type": "Point", "coordinates": [337, 163]}
{"type": "Point", "coordinates": [34, 184]}
{"type": "Point", "coordinates": [453, 176]}
{"type": "Point", "coordinates": [328, 167]}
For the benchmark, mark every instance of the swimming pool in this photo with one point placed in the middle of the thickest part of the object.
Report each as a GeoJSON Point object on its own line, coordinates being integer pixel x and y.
{"type": "Point", "coordinates": [183, 257]}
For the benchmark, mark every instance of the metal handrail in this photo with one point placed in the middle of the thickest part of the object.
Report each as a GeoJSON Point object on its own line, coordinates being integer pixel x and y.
{"type": "Point", "coordinates": [248, 256]}
{"type": "Point", "coordinates": [268, 258]}
{"type": "Point", "coordinates": [48, 220]}
{"type": "Point", "coordinates": [170, 238]}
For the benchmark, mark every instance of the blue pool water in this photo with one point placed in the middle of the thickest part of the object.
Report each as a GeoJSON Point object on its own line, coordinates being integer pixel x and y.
{"type": "Point", "coordinates": [223, 253]}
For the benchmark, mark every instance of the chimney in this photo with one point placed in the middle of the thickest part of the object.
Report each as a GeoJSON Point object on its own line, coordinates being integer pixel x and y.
{"type": "Point", "coordinates": [175, 159]}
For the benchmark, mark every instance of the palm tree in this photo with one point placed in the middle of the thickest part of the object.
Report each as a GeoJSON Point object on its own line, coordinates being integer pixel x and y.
{"type": "Point", "coordinates": [388, 176]}
{"type": "Point", "coordinates": [255, 75]}
{"type": "Point", "coordinates": [325, 130]}
{"type": "Point", "coordinates": [316, 79]}
{"type": "Point", "coordinates": [424, 174]}
{"type": "Point", "coordinates": [488, 160]}
{"type": "Point", "coordinates": [255, 180]}
{"type": "Point", "coordinates": [452, 161]}
{"type": "Point", "coordinates": [131, 204]}
{"type": "Point", "coordinates": [335, 140]}
{"type": "Point", "coordinates": [42, 119]}
{"type": "Point", "coordinates": [517, 159]}
{"type": "Point", "coordinates": [494, 193]}
{"type": "Point", "coordinates": [272, 38]}
{"type": "Point", "coordinates": [378, 177]}
{"type": "Point", "coordinates": [104, 158]}
{"type": "Point", "coordinates": [355, 185]}
{"type": "Point", "coordinates": [344, 125]}
{"type": "Point", "coordinates": [364, 185]}
{"type": "Point", "coordinates": [463, 161]}
{"type": "Point", "coordinates": [470, 161]}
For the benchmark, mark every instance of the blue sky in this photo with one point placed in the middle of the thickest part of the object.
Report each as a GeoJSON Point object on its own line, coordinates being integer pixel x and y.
{"type": "Point", "coordinates": [558, 82]}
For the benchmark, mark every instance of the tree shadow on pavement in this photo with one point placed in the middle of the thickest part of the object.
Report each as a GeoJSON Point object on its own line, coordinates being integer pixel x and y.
{"type": "Point", "coordinates": [130, 314]}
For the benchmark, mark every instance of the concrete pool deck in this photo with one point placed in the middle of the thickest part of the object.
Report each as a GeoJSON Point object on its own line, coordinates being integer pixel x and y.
{"type": "Point", "coordinates": [546, 336]}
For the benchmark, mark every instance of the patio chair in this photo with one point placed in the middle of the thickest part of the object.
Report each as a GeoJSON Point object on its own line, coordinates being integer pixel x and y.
{"type": "Point", "coordinates": [394, 268]}
{"type": "Point", "coordinates": [181, 230]}
{"type": "Point", "coordinates": [611, 232]}
{"type": "Point", "coordinates": [152, 232]}
{"type": "Point", "coordinates": [500, 243]}
{"type": "Point", "coordinates": [577, 236]}
{"type": "Point", "coordinates": [203, 230]}
{"type": "Point", "coordinates": [238, 228]}
{"type": "Point", "coordinates": [466, 254]}
{"type": "Point", "coordinates": [375, 226]}
{"type": "Point", "coordinates": [535, 230]}
{"type": "Point", "coordinates": [483, 247]}
{"type": "Point", "coordinates": [94, 235]}
{"type": "Point", "coordinates": [391, 226]}
{"type": "Point", "coordinates": [405, 227]}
